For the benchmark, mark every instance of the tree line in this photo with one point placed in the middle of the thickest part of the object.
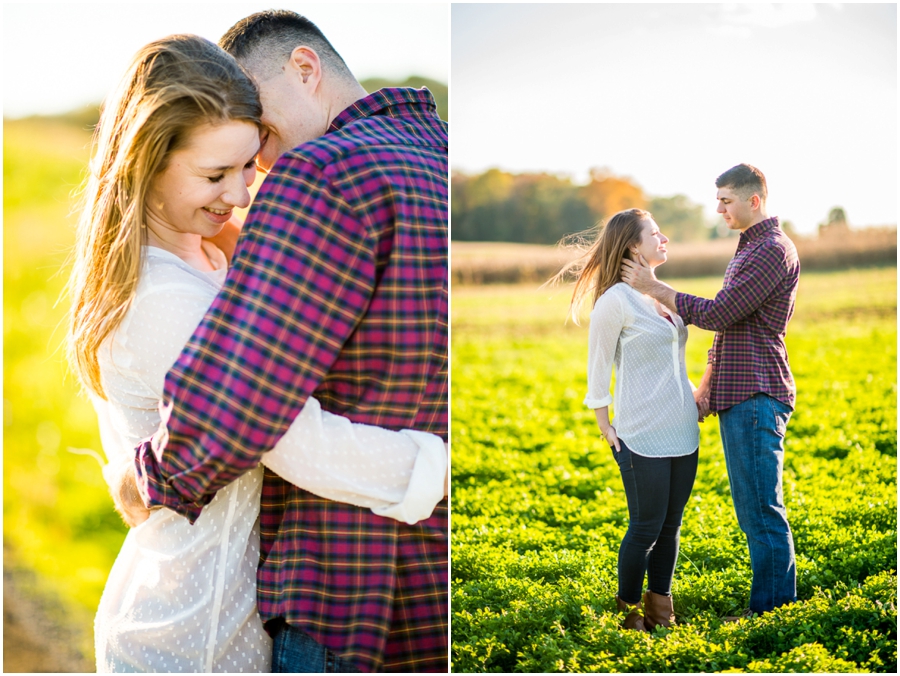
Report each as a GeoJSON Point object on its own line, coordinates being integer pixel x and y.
{"type": "Point", "coordinates": [539, 208]}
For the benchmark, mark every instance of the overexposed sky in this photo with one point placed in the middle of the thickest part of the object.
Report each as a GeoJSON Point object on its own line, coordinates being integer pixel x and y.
{"type": "Point", "coordinates": [61, 56]}
{"type": "Point", "coordinates": [671, 95]}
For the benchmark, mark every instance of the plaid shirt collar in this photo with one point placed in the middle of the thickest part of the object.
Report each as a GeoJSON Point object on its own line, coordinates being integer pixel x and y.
{"type": "Point", "coordinates": [379, 102]}
{"type": "Point", "coordinates": [759, 230]}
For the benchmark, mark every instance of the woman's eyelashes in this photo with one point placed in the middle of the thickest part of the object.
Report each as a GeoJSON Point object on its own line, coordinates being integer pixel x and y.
{"type": "Point", "coordinates": [251, 164]}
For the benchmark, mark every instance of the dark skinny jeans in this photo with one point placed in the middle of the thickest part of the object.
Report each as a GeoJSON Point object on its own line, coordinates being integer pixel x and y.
{"type": "Point", "coordinates": [657, 490]}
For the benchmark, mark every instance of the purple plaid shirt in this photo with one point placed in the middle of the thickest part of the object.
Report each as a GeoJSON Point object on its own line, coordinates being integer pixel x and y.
{"type": "Point", "coordinates": [750, 317]}
{"type": "Point", "coordinates": [338, 289]}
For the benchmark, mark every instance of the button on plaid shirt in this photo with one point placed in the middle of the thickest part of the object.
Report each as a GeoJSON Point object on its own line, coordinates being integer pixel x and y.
{"type": "Point", "coordinates": [338, 289]}
{"type": "Point", "coordinates": [750, 317]}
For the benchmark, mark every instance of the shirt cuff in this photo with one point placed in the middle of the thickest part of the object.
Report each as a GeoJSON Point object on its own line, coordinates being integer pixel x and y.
{"type": "Point", "coordinates": [159, 493]}
{"type": "Point", "coordinates": [426, 484]}
{"type": "Point", "coordinates": [598, 403]}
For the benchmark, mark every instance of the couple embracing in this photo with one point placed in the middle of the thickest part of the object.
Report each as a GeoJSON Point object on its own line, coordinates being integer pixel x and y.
{"type": "Point", "coordinates": [272, 397]}
{"type": "Point", "coordinates": [638, 327]}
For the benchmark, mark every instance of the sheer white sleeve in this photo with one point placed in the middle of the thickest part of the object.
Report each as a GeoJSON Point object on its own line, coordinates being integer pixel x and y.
{"type": "Point", "coordinates": [607, 321]}
{"type": "Point", "coordinates": [396, 474]}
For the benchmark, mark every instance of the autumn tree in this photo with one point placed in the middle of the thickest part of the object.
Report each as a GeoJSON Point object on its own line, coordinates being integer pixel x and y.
{"type": "Point", "coordinates": [606, 195]}
{"type": "Point", "coordinates": [539, 208]}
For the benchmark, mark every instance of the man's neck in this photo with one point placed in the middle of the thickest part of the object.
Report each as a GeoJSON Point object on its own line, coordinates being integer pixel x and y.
{"type": "Point", "coordinates": [344, 97]}
{"type": "Point", "coordinates": [761, 216]}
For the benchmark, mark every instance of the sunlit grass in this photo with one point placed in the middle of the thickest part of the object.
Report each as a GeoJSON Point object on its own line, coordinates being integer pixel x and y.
{"type": "Point", "coordinates": [58, 518]}
{"type": "Point", "coordinates": [538, 510]}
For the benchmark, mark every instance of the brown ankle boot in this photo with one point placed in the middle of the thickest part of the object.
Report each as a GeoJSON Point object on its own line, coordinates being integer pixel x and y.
{"type": "Point", "coordinates": [658, 610]}
{"type": "Point", "coordinates": [746, 614]}
{"type": "Point", "coordinates": [635, 617]}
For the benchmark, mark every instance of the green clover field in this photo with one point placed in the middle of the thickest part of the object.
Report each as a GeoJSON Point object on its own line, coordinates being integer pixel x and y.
{"type": "Point", "coordinates": [539, 511]}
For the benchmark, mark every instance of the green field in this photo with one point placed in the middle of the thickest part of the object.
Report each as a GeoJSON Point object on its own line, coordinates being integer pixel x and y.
{"type": "Point", "coordinates": [58, 517]}
{"type": "Point", "coordinates": [539, 511]}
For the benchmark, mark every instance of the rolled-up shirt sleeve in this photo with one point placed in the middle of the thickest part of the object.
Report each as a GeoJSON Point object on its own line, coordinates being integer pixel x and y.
{"type": "Point", "coordinates": [760, 273]}
{"type": "Point", "coordinates": [395, 474]}
{"type": "Point", "coordinates": [607, 321]}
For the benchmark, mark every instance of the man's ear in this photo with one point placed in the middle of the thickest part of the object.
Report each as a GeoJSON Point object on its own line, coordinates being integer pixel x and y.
{"type": "Point", "coordinates": [755, 201]}
{"type": "Point", "coordinates": [304, 62]}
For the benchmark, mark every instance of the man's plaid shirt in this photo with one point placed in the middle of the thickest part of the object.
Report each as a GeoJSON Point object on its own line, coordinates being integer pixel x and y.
{"type": "Point", "coordinates": [750, 316]}
{"type": "Point", "coordinates": [338, 289]}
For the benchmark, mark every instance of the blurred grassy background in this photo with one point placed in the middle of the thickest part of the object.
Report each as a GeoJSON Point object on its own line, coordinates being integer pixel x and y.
{"type": "Point", "coordinates": [58, 518]}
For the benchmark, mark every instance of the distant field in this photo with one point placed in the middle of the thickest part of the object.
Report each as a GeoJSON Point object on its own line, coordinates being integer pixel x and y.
{"type": "Point", "coordinates": [511, 263]}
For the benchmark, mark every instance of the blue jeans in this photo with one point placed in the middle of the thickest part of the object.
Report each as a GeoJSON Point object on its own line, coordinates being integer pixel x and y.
{"type": "Point", "coordinates": [657, 490]}
{"type": "Point", "coordinates": [753, 437]}
{"type": "Point", "coordinates": [296, 652]}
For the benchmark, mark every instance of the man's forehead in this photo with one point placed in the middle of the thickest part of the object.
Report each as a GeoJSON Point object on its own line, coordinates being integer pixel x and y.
{"type": "Point", "coordinates": [726, 192]}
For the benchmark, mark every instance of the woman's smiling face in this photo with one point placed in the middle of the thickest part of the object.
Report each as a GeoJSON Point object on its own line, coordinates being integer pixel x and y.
{"type": "Point", "coordinates": [204, 181]}
{"type": "Point", "coordinates": [652, 245]}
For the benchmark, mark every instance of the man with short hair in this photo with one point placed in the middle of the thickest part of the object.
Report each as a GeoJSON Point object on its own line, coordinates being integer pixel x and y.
{"type": "Point", "coordinates": [338, 289]}
{"type": "Point", "coordinates": [748, 380]}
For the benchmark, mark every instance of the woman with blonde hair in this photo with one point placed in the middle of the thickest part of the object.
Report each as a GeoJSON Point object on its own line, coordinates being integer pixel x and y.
{"type": "Point", "coordinates": [654, 435]}
{"type": "Point", "coordinates": [174, 155]}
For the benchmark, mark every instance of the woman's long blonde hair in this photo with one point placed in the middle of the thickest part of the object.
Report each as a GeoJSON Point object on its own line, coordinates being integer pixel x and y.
{"type": "Point", "coordinates": [599, 265]}
{"type": "Point", "coordinates": [172, 86]}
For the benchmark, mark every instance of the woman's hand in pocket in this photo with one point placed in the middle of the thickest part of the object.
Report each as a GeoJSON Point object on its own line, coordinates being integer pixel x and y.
{"type": "Point", "coordinates": [612, 438]}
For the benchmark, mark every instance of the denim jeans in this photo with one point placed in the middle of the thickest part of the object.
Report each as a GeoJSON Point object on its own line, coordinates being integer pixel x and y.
{"type": "Point", "coordinates": [657, 490]}
{"type": "Point", "coordinates": [753, 437]}
{"type": "Point", "coordinates": [296, 652]}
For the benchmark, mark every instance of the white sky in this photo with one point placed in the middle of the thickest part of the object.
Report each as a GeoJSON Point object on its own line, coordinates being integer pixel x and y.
{"type": "Point", "coordinates": [671, 95]}
{"type": "Point", "coordinates": [60, 56]}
